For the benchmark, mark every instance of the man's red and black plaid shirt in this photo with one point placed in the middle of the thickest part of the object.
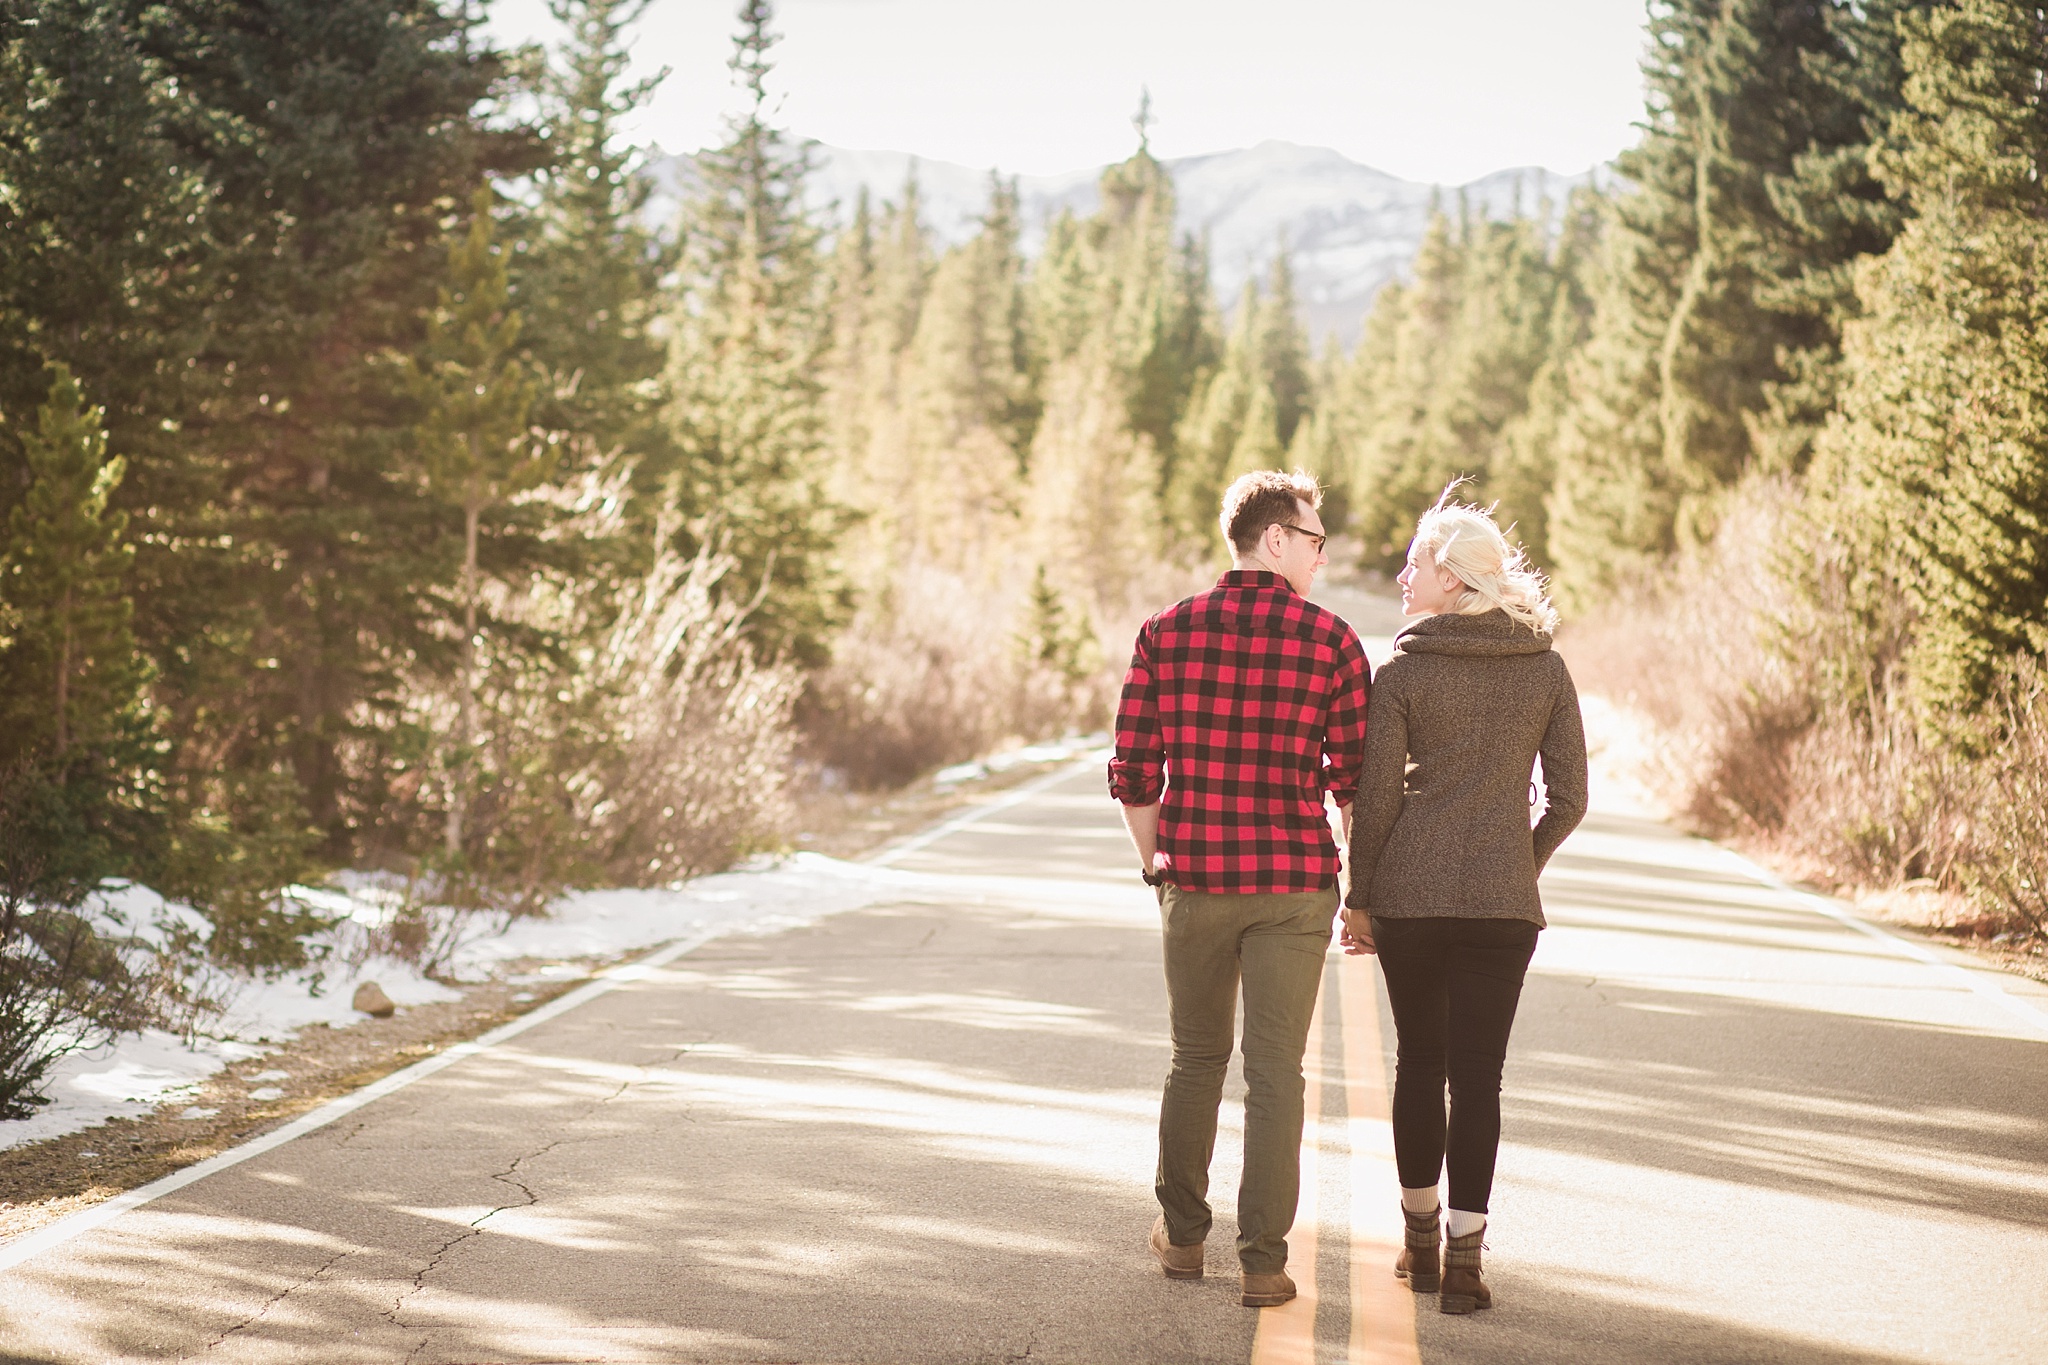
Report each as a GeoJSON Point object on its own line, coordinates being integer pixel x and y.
{"type": "Point", "coordinates": [1244, 704]}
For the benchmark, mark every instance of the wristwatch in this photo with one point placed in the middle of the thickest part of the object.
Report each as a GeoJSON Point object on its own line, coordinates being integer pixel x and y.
{"type": "Point", "coordinates": [1152, 878]}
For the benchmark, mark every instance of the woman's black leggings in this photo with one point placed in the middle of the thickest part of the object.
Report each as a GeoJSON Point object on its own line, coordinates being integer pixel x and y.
{"type": "Point", "coordinates": [1453, 984]}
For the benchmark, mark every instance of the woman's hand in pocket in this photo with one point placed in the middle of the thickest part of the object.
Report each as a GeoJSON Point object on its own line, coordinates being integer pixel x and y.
{"type": "Point", "coordinates": [1357, 935]}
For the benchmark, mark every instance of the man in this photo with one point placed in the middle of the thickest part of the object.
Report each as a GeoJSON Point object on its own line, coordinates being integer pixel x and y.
{"type": "Point", "coordinates": [1242, 707]}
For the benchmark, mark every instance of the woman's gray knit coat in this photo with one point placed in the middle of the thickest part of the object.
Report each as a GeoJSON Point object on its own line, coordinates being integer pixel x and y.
{"type": "Point", "coordinates": [1458, 716]}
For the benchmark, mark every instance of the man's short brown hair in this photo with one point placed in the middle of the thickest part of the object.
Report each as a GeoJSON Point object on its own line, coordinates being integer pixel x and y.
{"type": "Point", "coordinates": [1262, 498]}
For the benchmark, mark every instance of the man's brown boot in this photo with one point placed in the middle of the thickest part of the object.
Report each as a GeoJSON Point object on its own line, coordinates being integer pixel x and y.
{"type": "Point", "coordinates": [1418, 1263]}
{"type": "Point", "coordinates": [1179, 1262]}
{"type": "Point", "coordinates": [1463, 1290]}
{"type": "Point", "coordinates": [1267, 1291]}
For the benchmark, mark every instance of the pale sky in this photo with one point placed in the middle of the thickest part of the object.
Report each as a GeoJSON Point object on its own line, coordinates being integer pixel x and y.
{"type": "Point", "coordinates": [1430, 90]}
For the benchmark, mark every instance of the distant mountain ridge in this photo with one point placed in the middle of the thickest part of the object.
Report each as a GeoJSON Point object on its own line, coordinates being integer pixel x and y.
{"type": "Point", "coordinates": [1349, 227]}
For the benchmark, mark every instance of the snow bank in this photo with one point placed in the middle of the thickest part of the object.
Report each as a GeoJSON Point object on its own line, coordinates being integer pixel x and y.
{"type": "Point", "coordinates": [1049, 751]}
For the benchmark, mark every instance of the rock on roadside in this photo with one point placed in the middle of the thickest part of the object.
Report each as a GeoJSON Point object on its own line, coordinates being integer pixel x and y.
{"type": "Point", "coordinates": [371, 1000]}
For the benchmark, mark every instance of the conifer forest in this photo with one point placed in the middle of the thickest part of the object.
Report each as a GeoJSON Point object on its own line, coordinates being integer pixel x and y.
{"type": "Point", "coordinates": [383, 486]}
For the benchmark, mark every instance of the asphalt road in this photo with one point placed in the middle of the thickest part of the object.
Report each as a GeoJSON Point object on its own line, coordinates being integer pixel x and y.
{"type": "Point", "coordinates": [1737, 1129]}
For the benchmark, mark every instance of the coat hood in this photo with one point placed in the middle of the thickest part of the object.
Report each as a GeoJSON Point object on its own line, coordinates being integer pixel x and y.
{"type": "Point", "coordinates": [1489, 635]}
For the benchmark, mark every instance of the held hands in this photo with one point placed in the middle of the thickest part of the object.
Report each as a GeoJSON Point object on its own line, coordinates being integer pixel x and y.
{"type": "Point", "coordinates": [1356, 936]}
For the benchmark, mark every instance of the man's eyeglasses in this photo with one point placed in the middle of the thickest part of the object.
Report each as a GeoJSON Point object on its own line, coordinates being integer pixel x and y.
{"type": "Point", "coordinates": [1312, 535]}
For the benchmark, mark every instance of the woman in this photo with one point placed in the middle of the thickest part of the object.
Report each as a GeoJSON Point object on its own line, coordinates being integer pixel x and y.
{"type": "Point", "coordinates": [1444, 862]}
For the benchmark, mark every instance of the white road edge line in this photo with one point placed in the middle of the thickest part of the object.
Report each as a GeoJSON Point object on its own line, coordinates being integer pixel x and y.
{"type": "Point", "coordinates": [33, 1244]}
{"type": "Point", "coordinates": [85, 1220]}
{"type": "Point", "coordinates": [1978, 982]}
{"type": "Point", "coordinates": [961, 821]}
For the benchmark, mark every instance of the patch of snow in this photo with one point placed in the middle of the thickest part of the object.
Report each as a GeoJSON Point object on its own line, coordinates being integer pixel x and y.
{"type": "Point", "coordinates": [123, 1079]}
{"type": "Point", "coordinates": [971, 771]}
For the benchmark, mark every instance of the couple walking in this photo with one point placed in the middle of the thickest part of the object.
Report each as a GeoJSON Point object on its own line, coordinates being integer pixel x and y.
{"type": "Point", "coordinates": [1243, 706]}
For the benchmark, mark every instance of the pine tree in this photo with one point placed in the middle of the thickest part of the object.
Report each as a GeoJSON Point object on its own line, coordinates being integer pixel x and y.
{"type": "Point", "coordinates": [1206, 445]}
{"type": "Point", "coordinates": [477, 447]}
{"type": "Point", "coordinates": [1523, 473]}
{"type": "Point", "coordinates": [589, 286]}
{"type": "Point", "coordinates": [886, 474]}
{"type": "Point", "coordinates": [1935, 475]}
{"type": "Point", "coordinates": [73, 678]}
{"type": "Point", "coordinates": [78, 799]}
{"type": "Point", "coordinates": [1716, 325]}
{"type": "Point", "coordinates": [1405, 359]}
{"type": "Point", "coordinates": [1122, 342]}
{"type": "Point", "coordinates": [253, 212]}
{"type": "Point", "coordinates": [848, 418]}
{"type": "Point", "coordinates": [968, 389]}
{"type": "Point", "coordinates": [747, 410]}
{"type": "Point", "coordinates": [1283, 348]}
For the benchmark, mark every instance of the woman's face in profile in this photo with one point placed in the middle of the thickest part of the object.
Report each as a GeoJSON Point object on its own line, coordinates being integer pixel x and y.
{"type": "Point", "coordinates": [1426, 590]}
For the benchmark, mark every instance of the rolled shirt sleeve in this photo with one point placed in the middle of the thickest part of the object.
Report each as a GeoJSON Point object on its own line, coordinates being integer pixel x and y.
{"type": "Point", "coordinates": [1137, 772]}
{"type": "Point", "coordinates": [1344, 733]}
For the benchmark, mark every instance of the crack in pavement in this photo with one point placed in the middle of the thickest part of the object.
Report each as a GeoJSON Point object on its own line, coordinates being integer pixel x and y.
{"type": "Point", "coordinates": [280, 1296]}
{"type": "Point", "coordinates": [475, 1227]}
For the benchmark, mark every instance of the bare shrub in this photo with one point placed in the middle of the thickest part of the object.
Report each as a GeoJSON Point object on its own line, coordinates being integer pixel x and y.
{"type": "Point", "coordinates": [1780, 720]}
{"type": "Point", "coordinates": [697, 770]}
{"type": "Point", "coordinates": [625, 732]}
{"type": "Point", "coordinates": [1870, 804]}
{"type": "Point", "coordinates": [2004, 865]}
{"type": "Point", "coordinates": [1693, 650]}
{"type": "Point", "coordinates": [944, 665]}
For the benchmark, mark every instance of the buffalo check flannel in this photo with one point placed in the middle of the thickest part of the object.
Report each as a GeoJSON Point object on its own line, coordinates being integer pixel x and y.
{"type": "Point", "coordinates": [1242, 707]}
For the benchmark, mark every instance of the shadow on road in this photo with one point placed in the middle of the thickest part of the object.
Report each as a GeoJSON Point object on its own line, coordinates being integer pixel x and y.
{"type": "Point", "coordinates": [908, 1134]}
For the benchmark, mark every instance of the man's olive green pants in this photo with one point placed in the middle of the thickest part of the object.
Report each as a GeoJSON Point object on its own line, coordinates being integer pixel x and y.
{"type": "Point", "coordinates": [1274, 944]}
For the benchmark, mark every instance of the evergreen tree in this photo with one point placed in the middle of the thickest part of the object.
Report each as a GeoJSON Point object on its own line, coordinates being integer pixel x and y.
{"type": "Point", "coordinates": [1403, 360]}
{"type": "Point", "coordinates": [749, 333]}
{"type": "Point", "coordinates": [1523, 471]}
{"type": "Point", "coordinates": [73, 678]}
{"type": "Point", "coordinates": [1123, 342]}
{"type": "Point", "coordinates": [970, 395]}
{"type": "Point", "coordinates": [263, 203]}
{"type": "Point", "coordinates": [1243, 413]}
{"type": "Point", "coordinates": [589, 288]}
{"type": "Point", "coordinates": [1283, 349]}
{"type": "Point", "coordinates": [476, 446]}
{"type": "Point", "coordinates": [1716, 327]}
{"type": "Point", "coordinates": [848, 424]}
{"type": "Point", "coordinates": [77, 802]}
{"type": "Point", "coordinates": [1206, 446]}
{"type": "Point", "coordinates": [886, 479]}
{"type": "Point", "coordinates": [1935, 475]}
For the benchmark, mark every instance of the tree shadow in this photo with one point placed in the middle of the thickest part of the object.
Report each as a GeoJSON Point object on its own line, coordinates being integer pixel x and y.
{"type": "Point", "coordinates": [837, 1144]}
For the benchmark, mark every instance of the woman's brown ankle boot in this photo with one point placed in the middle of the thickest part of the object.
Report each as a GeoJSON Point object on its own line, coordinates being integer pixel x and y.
{"type": "Point", "coordinates": [1417, 1262]}
{"type": "Point", "coordinates": [1463, 1290]}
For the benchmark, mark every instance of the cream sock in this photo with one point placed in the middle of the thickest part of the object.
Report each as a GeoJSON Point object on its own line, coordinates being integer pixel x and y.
{"type": "Point", "coordinates": [1419, 1201]}
{"type": "Point", "coordinates": [1464, 1224]}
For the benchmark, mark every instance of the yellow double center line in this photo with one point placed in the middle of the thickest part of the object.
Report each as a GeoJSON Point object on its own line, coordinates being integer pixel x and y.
{"type": "Point", "coordinates": [1382, 1326]}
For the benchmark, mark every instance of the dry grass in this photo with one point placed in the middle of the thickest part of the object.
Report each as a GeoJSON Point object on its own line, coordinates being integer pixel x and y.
{"type": "Point", "coordinates": [1729, 663]}
{"type": "Point", "coordinates": [1691, 652]}
{"type": "Point", "coordinates": [944, 666]}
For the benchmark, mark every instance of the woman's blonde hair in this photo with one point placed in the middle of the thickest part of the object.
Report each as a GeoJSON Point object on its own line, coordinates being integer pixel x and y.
{"type": "Point", "coordinates": [1464, 538]}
